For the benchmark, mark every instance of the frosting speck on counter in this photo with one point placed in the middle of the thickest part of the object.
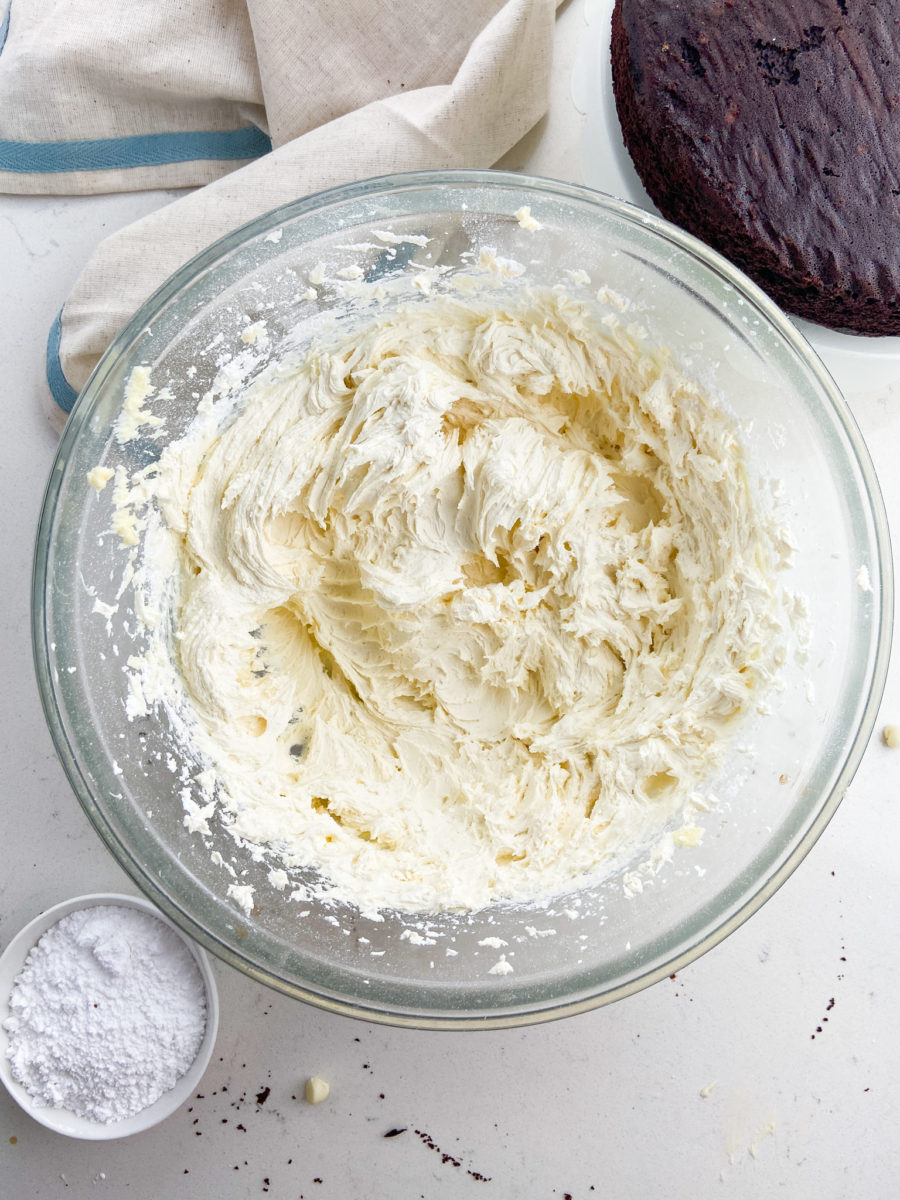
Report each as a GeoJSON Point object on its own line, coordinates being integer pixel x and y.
{"type": "Point", "coordinates": [316, 1089]}
{"type": "Point", "coordinates": [467, 601]}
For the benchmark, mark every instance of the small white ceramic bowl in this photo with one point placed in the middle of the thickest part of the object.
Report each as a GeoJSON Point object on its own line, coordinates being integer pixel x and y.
{"type": "Point", "coordinates": [60, 1119]}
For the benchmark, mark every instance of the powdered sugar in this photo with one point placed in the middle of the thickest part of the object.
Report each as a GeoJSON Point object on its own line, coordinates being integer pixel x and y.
{"type": "Point", "coordinates": [108, 1013]}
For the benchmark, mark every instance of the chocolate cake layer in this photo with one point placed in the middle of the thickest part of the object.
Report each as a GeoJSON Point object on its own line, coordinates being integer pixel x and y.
{"type": "Point", "coordinates": [772, 131]}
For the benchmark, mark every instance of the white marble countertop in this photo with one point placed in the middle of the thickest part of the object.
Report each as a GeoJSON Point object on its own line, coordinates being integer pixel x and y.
{"type": "Point", "coordinates": [792, 1018]}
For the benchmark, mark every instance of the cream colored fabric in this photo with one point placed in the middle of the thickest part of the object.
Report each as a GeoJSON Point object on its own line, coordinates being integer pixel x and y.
{"type": "Point", "coordinates": [346, 91]}
{"type": "Point", "coordinates": [73, 70]}
{"type": "Point", "coordinates": [79, 70]}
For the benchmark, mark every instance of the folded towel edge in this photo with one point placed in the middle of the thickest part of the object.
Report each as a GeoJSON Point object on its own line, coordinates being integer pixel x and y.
{"type": "Point", "coordinates": [60, 388]}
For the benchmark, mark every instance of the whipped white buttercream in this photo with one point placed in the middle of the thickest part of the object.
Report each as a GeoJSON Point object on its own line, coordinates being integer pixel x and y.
{"type": "Point", "coordinates": [526, 220]}
{"type": "Point", "coordinates": [99, 477]}
{"type": "Point", "coordinates": [135, 414]}
{"type": "Point", "coordinates": [465, 603]}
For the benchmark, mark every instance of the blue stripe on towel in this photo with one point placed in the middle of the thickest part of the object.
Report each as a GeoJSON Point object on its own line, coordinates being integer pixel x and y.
{"type": "Point", "coordinates": [4, 26]}
{"type": "Point", "coordinates": [148, 150]}
{"type": "Point", "coordinates": [63, 392]}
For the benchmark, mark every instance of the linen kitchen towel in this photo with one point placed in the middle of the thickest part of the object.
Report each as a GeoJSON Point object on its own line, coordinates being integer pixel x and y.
{"type": "Point", "coordinates": [258, 101]}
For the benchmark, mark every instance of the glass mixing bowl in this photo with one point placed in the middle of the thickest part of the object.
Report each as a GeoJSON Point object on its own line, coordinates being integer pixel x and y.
{"type": "Point", "coordinates": [786, 771]}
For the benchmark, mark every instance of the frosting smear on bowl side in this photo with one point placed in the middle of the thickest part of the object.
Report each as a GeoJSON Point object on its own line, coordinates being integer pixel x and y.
{"type": "Point", "coordinates": [467, 602]}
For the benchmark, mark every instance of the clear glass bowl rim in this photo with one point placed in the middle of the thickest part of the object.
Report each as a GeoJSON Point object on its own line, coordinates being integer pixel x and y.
{"type": "Point", "coordinates": [764, 888]}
